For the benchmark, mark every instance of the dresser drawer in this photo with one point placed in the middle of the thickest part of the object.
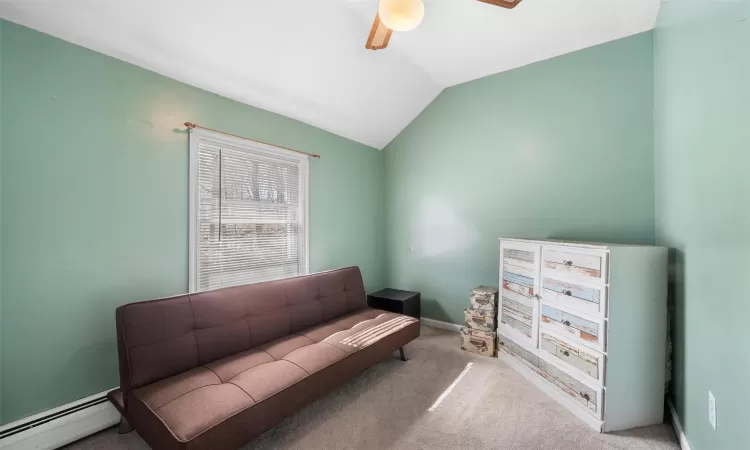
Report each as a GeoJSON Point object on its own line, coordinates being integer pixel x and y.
{"type": "Point", "coordinates": [575, 263]}
{"type": "Point", "coordinates": [588, 299]}
{"type": "Point", "coordinates": [518, 280]}
{"type": "Point", "coordinates": [581, 328]}
{"type": "Point", "coordinates": [590, 397]}
{"type": "Point", "coordinates": [583, 359]}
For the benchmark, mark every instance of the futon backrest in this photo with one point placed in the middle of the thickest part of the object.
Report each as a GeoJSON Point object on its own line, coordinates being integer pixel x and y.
{"type": "Point", "coordinates": [160, 338]}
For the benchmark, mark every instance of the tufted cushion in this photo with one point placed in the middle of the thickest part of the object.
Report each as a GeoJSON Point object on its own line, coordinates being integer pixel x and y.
{"type": "Point", "coordinates": [353, 325]}
{"type": "Point", "coordinates": [164, 391]}
{"type": "Point", "coordinates": [161, 338]}
{"type": "Point", "coordinates": [282, 346]}
{"type": "Point", "coordinates": [315, 357]}
{"type": "Point", "coordinates": [320, 332]}
{"type": "Point", "coordinates": [267, 379]}
{"type": "Point", "coordinates": [227, 368]}
{"type": "Point", "coordinates": [191, 403]}
{"type": "Point", "coordinates": [193, 413]}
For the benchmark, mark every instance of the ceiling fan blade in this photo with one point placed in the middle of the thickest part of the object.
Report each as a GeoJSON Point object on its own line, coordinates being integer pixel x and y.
{"type": "Point", "coordinates": [379, 35]}
{"type": "Point", "coordinates": [510, 4]}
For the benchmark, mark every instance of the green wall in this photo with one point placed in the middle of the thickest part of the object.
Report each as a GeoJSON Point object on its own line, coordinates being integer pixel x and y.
{"type": "Point", "coordinates": [561, 148]}
{"type": "Point", "coordinates": [599, 144]}
{"type": "Point", "coordinates": [702, 167]}
{"type": "Point", "coordinates": [1, 221]}
{"type": "Point", "coordinates": [95, 206]}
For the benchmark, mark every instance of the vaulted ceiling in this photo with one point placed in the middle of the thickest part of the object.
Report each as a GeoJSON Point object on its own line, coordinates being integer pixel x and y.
{"type": "Point", "coordinates": [306, 59]}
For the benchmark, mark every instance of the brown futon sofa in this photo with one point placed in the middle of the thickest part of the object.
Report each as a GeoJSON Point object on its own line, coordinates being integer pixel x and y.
{"type": "Point", "coordinates": [214, 369]}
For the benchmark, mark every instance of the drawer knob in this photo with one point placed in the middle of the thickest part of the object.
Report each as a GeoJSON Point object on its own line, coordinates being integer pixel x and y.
{"type": "Point", "coordinates": [566, 353]}
{"type": "Point", "coordinates": [568, 293]}
{"type": "Point", "coordinates": [586, 396]}
{"type": "Point", "coordinates": [567, 263]}
{"type": "Point", "coordinates": [567, 322]}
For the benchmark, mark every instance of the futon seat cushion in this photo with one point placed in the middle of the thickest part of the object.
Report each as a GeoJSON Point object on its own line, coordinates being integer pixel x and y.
{"type": "Point", "coordinates": [195, 401]}
{"type": "Point", "coordinates": [191, 414]}
{"type": "Point", "coordinates": [264, 380]}
{"type": "Point", "coordinates": [315, 357]}
{"type": "Point", "coordinates": [227, 368]}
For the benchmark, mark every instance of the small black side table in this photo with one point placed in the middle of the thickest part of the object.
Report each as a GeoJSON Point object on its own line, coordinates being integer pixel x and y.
{"type": "Point", "coordinates": [394, 300]}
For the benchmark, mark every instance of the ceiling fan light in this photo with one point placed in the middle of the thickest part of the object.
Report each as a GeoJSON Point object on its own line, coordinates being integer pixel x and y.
{"type": "Point", "coordinates": [401, 15]}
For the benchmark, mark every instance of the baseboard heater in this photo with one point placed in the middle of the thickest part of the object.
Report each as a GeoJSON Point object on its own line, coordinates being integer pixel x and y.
{"type": "Point", "coordinates": [60, 426]}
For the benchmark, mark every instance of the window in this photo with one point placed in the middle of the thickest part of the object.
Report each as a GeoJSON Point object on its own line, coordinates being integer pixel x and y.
{"type": "Point", "coordinates": [248, 212]}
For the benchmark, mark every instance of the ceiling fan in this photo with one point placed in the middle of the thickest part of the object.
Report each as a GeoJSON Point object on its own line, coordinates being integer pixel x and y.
{"type": "Point", "coordinates": [405, 15]}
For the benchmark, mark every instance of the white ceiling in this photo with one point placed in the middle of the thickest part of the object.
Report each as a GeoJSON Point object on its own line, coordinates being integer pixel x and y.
{"type": "Point", "coordinates": [306, 58]}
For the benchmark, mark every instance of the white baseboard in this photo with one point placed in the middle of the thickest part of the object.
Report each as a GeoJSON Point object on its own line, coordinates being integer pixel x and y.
{"type": "Point", "coordinates": [61, 430]}
{"type": "Point", "coordinates": [681, 437]}
{"type": "Point", "coordinates": [442, 325]}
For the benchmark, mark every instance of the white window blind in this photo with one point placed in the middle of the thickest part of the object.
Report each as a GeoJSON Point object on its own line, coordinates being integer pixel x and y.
{"type": "Point", "coordinates": [248, 212]}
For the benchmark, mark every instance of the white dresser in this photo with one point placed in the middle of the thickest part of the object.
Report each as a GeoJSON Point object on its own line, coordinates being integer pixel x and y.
{"type": "Point", "coordinates": [587, 324]}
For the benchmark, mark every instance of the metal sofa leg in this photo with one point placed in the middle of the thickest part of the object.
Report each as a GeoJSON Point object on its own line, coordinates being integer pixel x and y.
{"type": "Point", "coordinates": [125, 426]}
{"type": "Point", "coordinates": [403, 355]}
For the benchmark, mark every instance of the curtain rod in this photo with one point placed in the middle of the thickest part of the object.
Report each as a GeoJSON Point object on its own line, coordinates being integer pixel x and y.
{"type": "Point", "coordinates": [191, 125]}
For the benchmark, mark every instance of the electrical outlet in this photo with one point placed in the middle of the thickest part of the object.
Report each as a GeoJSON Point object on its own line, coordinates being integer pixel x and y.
{"type": "Point", "coordinates": [712, 409]}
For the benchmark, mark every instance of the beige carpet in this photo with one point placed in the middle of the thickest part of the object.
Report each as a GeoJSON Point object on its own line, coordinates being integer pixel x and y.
{"type": "Point", "coordinates": [387, 406]}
